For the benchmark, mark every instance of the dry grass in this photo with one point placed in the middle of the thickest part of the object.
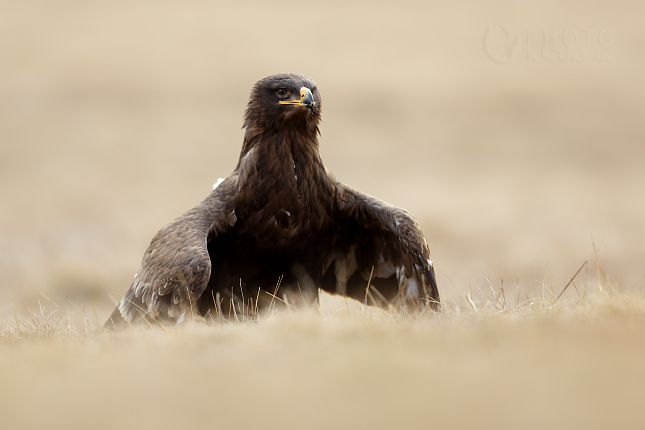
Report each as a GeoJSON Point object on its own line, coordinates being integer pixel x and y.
{"type": "Point", "coordinates": [495, 360]}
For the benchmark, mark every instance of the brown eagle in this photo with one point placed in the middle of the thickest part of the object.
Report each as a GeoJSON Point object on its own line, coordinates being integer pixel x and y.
{"type": "Point", "coordinates": [280, 228]}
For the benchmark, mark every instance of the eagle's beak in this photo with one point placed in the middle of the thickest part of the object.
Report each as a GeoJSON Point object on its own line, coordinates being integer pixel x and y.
{"type": "Point", "coordinates": [306, 99]}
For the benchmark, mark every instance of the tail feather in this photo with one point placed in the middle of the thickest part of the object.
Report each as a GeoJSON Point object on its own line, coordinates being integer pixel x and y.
{"type": "Point", "coordinates": [115, 322]}
{"type": "Point", "coordinates": [132, 311]}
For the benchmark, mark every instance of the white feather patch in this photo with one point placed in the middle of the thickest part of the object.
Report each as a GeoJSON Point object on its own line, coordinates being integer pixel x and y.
{"type": "Point", "coordinates": [181, 318]}
{"type": "Point", "coordinates": [413, 288]}
{"type": "Point", "coordinates": [219, 181]}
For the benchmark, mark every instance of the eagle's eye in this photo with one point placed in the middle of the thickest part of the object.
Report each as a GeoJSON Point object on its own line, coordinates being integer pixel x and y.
{"type": "Point", "coordinates": [282, 92]}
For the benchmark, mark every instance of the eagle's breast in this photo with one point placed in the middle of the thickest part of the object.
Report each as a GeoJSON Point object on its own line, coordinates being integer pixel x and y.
{"type": "Point", "coordinates": [282, 191]}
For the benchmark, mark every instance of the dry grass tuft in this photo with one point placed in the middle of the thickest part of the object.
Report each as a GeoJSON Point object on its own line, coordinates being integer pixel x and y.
{"type": "Point", "coordinates": [494, 360]}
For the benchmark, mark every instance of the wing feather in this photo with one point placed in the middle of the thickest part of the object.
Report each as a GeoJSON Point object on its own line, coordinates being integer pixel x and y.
{"type": "Point", "coordinates": [176, 267]}
{"type": "Point", "coordinates": [385, 243]}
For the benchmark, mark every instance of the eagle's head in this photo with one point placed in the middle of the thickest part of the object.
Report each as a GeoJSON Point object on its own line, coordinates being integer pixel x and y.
{"type": "Point", "coordinates": [284, 100]}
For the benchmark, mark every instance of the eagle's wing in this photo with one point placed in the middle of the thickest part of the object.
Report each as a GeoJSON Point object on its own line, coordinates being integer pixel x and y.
{"type": "Point", "coordinates": [176, 267]}
{"type": "Point", "coordinates": [382, 244]}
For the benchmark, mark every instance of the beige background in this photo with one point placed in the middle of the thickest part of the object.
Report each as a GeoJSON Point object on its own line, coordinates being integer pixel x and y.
{"type": "Point", "coordinates": [117, 116]}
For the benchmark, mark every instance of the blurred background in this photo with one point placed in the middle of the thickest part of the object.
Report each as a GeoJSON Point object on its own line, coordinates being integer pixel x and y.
{"type": "Point", "coordinates": [513, 132]}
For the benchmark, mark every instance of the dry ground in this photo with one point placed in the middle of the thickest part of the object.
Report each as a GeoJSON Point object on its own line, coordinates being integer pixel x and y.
{"type": "Point", "coordinates": [500, 366]}
{"type": "Point", "coordinates": [117, 116]}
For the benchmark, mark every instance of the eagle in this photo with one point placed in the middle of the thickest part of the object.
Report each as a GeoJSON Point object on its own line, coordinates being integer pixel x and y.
{"type": "Point", "coordinates": [279, 229]}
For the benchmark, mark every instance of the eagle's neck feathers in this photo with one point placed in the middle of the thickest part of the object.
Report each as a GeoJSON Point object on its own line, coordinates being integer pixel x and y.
{"type": "Point", "coordinates": [282, 179]}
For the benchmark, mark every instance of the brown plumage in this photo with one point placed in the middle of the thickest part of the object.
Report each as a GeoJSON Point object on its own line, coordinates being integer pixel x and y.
{"type": "Point", "coordinates": [280, 227]}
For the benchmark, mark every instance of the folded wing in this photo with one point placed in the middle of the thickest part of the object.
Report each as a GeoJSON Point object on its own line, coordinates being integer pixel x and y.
{"type": "Point", "coordinates": [381, 244]}
{"type": "Point", "coordinates": [176, 267]}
